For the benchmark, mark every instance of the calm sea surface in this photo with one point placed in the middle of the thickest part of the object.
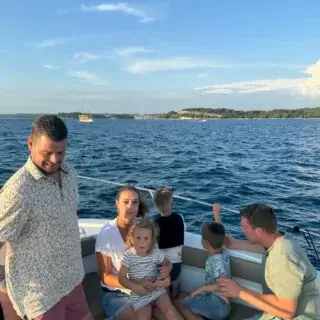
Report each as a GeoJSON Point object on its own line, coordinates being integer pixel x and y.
{"type": "Point", "coordinates": [234, 162]}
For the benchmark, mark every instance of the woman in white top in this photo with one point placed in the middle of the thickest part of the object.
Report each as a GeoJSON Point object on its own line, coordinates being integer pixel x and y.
{"type": "Point", "coordinates": [110, 246]}
{"type": "Point", "coordinates": [5, 303]}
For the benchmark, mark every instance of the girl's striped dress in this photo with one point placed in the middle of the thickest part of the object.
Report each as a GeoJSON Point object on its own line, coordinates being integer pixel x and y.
{"type": "Point", "coordinates": [141, 267]}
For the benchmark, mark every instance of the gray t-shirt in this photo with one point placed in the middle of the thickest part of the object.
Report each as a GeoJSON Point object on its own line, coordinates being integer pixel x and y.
{"type": "Point", "coordinates": [217, 265]}
{"type": "Point", "coordinates": [290, 275]}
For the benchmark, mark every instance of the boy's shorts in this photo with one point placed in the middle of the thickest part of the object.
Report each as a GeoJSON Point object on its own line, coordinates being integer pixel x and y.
{"type": "Point", "coordinates": [209, 306]}
{"type": "Point", "coordinates": [176, 270]}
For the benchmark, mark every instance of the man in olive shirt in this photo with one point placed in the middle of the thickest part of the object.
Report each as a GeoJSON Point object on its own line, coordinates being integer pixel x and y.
{"type": "Point", "coordinates": [39, 224]}
{"type": "Point", "coordinates": [289, 275]}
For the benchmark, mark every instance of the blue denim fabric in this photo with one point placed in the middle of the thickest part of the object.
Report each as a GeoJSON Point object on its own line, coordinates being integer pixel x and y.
{"type": "Point", "coordinates": [209, 305]}
{"type": "Point", "coordinates": [175, 272]}
{"type": "Point", "coordinates": [114, 302]}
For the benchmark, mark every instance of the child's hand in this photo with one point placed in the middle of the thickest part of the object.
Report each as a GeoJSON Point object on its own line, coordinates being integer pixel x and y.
{"type": "Point", "coordinates": [139, 290]}
{"type": "Point", "coordinates": [148, 285]}
{"type": "Point", "coordinates": [216, 208]}
{"type": "Point", "coordinates": [195, 292]}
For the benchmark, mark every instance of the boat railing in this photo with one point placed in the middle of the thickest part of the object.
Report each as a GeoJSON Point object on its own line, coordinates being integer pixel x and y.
{"type": "Point", "coordinates": [307, 234]}
{"type": "Point", "coordinates": [294, 229]}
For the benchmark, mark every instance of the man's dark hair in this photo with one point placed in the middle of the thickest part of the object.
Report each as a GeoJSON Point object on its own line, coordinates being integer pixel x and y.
{"type": "Point", "coordinates": [260, 215]}
{"type": "Point", "coordinates": [51, 126]}
{"type": "Point", "coordinates": [214, 233]}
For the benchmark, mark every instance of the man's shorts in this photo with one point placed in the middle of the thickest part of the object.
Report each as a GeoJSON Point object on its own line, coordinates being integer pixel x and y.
{"type": "Point", "coordinates": [74, 306]}
{"type": "Point", "coordinates": [2, 278]}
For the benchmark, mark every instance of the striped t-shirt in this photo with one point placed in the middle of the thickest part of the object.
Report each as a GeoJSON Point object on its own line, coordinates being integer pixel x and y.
{"type": "Point", "coordinates": [143, 267]}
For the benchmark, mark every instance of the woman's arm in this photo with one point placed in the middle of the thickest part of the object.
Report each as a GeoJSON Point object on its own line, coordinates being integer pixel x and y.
{"type": "Point", "coordinates": [165, 268]}
{"type": "Point", "coordinates": [105, 271]}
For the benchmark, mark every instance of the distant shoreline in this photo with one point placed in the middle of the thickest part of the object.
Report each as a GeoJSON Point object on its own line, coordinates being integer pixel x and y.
{"type": "Point", "coordinates": [197, 114]}
{"type": "Point", "coordinates": [13, 117]}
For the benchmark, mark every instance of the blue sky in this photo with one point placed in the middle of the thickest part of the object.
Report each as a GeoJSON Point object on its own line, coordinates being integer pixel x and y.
{"type": "Point", "coordinates": [149, 56]}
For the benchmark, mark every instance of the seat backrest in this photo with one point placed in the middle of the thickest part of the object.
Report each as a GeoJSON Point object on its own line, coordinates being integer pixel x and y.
{"type": "Point", "coordinates": [88, 254]}
{"type": "Point", "coordinates": [196, 257]}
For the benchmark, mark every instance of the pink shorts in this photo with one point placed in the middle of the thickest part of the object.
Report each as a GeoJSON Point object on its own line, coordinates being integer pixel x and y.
{"type": "Point", "coordinates": [71, 307]}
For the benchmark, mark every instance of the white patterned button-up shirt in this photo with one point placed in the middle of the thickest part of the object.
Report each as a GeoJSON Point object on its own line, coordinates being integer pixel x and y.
{"type": "Point", "coordinates": [38, 221]}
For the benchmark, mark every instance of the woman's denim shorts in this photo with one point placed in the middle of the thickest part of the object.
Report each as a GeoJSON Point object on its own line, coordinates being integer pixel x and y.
{"type": "Point", "coordinates": [114, 302]}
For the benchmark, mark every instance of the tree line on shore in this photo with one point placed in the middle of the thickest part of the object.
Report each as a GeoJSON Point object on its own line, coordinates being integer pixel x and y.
{"type": "Point", "coordinates": [199, 113]}
{"type": "Point", "coordinates": [223, 113]}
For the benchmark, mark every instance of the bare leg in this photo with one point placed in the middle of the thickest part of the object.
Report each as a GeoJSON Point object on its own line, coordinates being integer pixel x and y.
{"type": "Point", "coordinates": [7, 308]}
{"type": "Point", "coordinates": [127, 314]}
{"type": "Point", "coordinates": [167, 308]}
{"type": "Point", "coordinates": [175, 288]}
{"type": "Point", "coordinates": [157, 314]}
{"type": "Point", "coordinates": [144, 313]}
{"type": "Point", "coordinates": [185, 311]}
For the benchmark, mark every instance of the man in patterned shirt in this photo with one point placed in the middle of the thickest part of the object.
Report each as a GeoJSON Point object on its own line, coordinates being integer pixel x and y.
{"type": "Point", "coordinates": [38, 222]}
{"type": "Point", "coordinates": [6, 310]}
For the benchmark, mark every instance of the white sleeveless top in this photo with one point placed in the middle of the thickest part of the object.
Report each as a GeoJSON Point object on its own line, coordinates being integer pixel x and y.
{"type": "Point", "coordinates": [110, 243]}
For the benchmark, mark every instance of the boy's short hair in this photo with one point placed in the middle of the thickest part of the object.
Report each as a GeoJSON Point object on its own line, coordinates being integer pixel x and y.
{"type": "Point", "coordinates": [214, 233]}
{"type": "Point", "coordinates": [161, 197]}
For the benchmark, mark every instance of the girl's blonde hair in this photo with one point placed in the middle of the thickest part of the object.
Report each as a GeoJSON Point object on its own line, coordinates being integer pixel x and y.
{"type": "Point", "coordinates": [146, 223]}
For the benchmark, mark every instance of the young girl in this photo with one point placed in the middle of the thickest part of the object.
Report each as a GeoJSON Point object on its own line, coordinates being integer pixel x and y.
{"type": "Point", "coordinates": [141, 262]}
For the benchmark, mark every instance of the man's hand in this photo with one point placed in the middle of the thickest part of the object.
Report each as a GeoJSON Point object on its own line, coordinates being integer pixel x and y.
{"type": "Point", "coordinates": [228, 241]}
{"type": "Point", "coordinates": [229, 288]}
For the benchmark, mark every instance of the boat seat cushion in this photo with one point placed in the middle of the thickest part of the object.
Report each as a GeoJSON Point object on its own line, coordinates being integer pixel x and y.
{"type": "Point", "coordinates": [88, 246]}
{"type": "Point", "coordinates": [240, 312]}
{"type": "Point", "coordinates": [91, 285]}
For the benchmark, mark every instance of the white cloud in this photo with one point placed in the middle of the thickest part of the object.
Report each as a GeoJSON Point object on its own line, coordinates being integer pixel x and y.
{"type": "Point", "coordinates": [118, 7]}
{"type": "Point", "coordinates": [51, 67]}
{"type": "Point", "coordinates": [48, 43]}
{"type": "Point", "coordinates": [171, 64]}
{"type": "Point", "coordinates": [131, 51]}
{"type": "Point", "coordinates": [87, 77]}
{"type": "Point", "coordinates": [304, 86]}
{"type": "Point", "coordinates": [83, 57]}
